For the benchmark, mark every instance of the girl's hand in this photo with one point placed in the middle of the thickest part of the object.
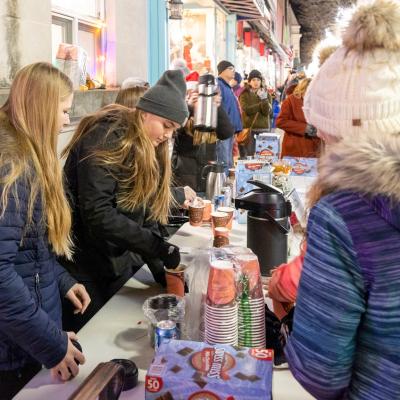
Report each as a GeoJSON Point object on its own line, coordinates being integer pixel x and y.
{"type": "Point", "coordinates": [79, 297]}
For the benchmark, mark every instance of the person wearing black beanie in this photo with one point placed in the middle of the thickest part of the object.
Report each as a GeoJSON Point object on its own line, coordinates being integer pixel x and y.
{"type": "Point", "coordinates": [118, 171]}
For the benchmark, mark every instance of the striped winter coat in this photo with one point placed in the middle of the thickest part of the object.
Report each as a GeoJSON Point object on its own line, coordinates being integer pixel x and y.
{"type": "Point", "coordinates": [345, 342]}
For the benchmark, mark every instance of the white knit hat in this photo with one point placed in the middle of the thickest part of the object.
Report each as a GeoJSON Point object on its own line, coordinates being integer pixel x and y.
{"type": "Point", "coordinates": [357, 90]}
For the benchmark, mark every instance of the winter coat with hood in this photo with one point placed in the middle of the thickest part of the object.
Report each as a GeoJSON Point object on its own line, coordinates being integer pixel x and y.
{"type": "Point", "coordinates": [346, 334]}
{"type": "Point", "coordinates": [188, 160]}
{"type": "Point", "coordinates": [31, 283]}
{"type": "Point", "coordinates": [251, 104]}
{"type": "Point", "coordinates": [108, 239]}
{"type": "Point", "coordinates": [295, 141]}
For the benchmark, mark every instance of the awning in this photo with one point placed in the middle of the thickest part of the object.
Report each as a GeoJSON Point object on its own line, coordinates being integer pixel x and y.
{"type": "Point", "coordinates": [246, 9]}
{"type": "Point", "coordinates": [269, 37]}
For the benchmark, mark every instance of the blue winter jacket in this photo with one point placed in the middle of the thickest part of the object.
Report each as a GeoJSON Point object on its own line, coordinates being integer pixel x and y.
{"type": "Point", "coordinates": [31, 283]}
{"type": "Point", "coordinates": [230, 104]}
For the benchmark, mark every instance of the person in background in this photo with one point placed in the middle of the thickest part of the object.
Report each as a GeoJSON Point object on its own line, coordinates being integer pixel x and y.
{"type": "Point", "coordinates": [179, 64]}
{"type": "Point", "coordinates": [292, 84]}
{"type": "Point", "coordinates": [119, 175]}
{"type": "Point", "coordinates": [132, 89]}
{"type": "Point", "coordinates": [282, 89]}
{"type": "Point", "coordinates": [35, 223]}
{"type": "Point", "coordinates": [226, 72]}
{"type": "Point", "coordinates": [236, 84]}
{"type": "Point", "coordinates": [256, 111]}
{"type": "Point", "coordinates": [346, 333]}
{"type": "Point", "coordinates": [194, 149]}
{"type": "Point", "coordinates": [300, 138]}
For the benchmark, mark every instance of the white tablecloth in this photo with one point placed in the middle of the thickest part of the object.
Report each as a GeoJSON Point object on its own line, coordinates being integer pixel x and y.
{"type": "Point", "coordinates": [119, 331]}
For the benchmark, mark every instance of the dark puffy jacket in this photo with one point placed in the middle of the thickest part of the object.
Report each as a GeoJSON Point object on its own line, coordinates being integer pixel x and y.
{"type": "Point", "coordinates": [189, 160]}
{"type": "Point", "coordinates": [108, 239]}
{"type": "Point", "coordinates": [31, 286]}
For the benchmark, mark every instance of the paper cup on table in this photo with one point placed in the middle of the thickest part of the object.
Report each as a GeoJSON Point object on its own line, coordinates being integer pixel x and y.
{"type": "Point", "coordinates": [196, 215]}
{"type": "Point", "coordinates": [176, 280]}
{"type": "Point", "coordinates": [207, 211]}
{"type": "Point", "coordinates": [221, 237]}
{"type": "Point", "coordinates": [230, 211]}
{"type": "Point", "coordinates": [221, 289]}
{"type": "Point", "coordinates": [219, 220]}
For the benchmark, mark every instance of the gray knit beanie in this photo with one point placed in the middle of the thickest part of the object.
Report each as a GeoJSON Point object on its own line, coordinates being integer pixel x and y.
{"type": "Point", "coordinates": [167, 98]}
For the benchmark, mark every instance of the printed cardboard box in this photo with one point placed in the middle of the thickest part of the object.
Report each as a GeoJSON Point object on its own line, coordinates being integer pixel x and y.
{"type": "Point", "coordinates": [251, 169]}
{"type": "Point", "coordinates": [305, 167]}
{"type": "Point", "coordinates": [268, 145]}
{"type": "Point", "coordinates": [185, 370]}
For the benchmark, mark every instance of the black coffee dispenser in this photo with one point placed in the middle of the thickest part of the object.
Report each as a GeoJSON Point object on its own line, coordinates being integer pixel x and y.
{"type": "Point", "coordinates": [267, 224]}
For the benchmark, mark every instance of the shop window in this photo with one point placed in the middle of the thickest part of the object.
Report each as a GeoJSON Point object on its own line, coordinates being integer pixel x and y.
{"type": "Point", "coordinates": [81, 23]}
{"type": "Point", "coordinates": [61, 32]}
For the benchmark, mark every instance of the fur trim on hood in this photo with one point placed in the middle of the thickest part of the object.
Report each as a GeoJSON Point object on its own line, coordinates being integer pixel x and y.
{"type": "Point", "coordinates": [368, 165]}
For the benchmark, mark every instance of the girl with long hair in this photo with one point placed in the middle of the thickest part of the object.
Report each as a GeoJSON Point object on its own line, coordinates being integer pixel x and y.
{"type": "Point", "coordinates": [35, 223]}
{"type": "Point", "coordinates": [119, 174]}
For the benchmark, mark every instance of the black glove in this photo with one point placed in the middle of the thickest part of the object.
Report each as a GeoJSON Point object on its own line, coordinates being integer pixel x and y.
{"type": "Point", "coordinates": [311, 131]}
{"type": "Point", "coordinates": [169, 254]}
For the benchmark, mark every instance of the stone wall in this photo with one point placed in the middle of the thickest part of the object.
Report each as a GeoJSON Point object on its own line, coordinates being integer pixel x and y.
{"type": "Point", "coordinates": [25, 35]}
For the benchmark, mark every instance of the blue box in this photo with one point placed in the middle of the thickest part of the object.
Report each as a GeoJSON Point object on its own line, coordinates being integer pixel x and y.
{"type": "Point", "coordinates": [301, 166]}
{"type": "Point", "coordinates": [268, 145]}
{"type": "Point", "coordinates": [251, 169]}
{"type": "Point", "coordinates": [183, 370]}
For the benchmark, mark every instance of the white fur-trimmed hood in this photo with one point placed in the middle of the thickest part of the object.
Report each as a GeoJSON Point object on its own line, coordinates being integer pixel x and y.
{"type": "Point", "coordinates": [366, 164]}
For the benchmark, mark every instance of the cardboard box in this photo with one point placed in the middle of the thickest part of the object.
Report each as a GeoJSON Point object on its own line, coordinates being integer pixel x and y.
{"type": "Point", "coordinates": [268, 145]}
{"type": "Point", "coordinates": [306, 167]}
{"type": "Point", "coordinates": [183, 370]}
{"type": "Point", "coordinates": [251, 169]}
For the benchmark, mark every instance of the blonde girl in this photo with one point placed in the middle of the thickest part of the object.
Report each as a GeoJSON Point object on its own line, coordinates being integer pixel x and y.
{"type": "Point", "coordinates": [35, 223]}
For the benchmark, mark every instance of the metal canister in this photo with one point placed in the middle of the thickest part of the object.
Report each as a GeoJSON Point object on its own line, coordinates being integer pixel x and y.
{"type": "Point", "coordinates": [165, 330]}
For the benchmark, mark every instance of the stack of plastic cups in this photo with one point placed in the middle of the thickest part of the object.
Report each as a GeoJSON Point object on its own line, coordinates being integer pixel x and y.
{"type": "Point", "coordinates": [221, 311]}
{"type": "Point", "coordinates": [251, 304]}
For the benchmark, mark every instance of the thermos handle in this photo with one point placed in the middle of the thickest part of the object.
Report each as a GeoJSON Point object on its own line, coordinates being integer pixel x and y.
{"type": "Point", "coordinates": [283, 229]}
{"type": "Point", "coordinates": [205, 171]}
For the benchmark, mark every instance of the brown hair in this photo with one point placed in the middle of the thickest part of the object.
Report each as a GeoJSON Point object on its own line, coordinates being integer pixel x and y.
{"type": "Point", "coordinates": [129, 97]}
{"type": "Point", "coordinates": [301, 87]}
{"type": "Point", "coordinates": [143, 172]}
{"type": "Point", "coordinates": [31, 143]}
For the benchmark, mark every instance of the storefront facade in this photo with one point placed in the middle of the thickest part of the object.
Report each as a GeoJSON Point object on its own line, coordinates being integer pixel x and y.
{"type": "Point", "coordinates": [204, 36]}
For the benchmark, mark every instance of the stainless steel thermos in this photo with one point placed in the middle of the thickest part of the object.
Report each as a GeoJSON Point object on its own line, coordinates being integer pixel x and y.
{"type": "Point", "coordinates": [205, 112]}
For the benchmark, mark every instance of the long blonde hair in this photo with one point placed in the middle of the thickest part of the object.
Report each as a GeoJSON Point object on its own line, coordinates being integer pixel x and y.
{"type": "Point", "coordinates": [302, 87]}
{"type": "Point", "coordinates": [142, 171]}
{"type": "Point", "coordinates": [129, 97]}
{"type": "Point", "coordinates": [30, 144]}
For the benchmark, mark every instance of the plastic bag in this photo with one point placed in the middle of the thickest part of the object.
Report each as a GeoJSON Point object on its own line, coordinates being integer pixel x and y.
{"type": "Point", "coordinates": [196, 276]}
{"type": "Point", "coordinates": [164, 307]}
